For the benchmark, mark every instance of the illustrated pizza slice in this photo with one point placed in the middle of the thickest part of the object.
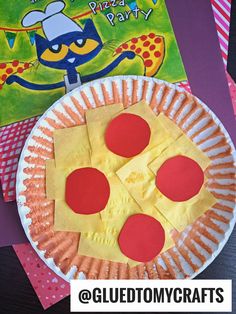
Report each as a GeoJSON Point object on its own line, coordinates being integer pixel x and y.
{"type": "Point", "coordinates": [9, 68]}
{"type": "Point", "coordinates": [151, 48]}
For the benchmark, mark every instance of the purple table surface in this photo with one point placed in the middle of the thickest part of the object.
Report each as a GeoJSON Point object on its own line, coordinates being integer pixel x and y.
{"type": "Point", "coordinates": [195, 31]}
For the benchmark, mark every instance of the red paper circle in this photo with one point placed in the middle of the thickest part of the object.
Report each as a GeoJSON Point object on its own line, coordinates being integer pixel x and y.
{"type": "Point", "coordinates": [179, 178]}
{"type": "Point", "coordinates": [141, 238]}
{"type": "Point", "coordinates": [127, 135]}
{"type": "Point", "coordinates": [87, 191]}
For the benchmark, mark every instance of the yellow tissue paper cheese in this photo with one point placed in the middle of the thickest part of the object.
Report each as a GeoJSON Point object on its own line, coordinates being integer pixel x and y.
{"type": "Point", "coordinates": [140, 182]}
{"type": "Point", "coordinates": [97, 120]}
{"type": "Point", "coordinates": [84, 146]}
{"type": "Point", "coordinates": [139, 179]}
{"type": "Point", "coordinates": [72, 151]}
{"type": "Point", "coordinates": [165, 224]}
{"type": "Point", "coordinates": [120, 203]}
{"type": "Point", "coordinates": [170, 127]}
{"type": "Point", "coordinates": [71, 147]}
{"type": "Point", "coordinates": [181, 214]}
{"type": "Point", "coordinates": [135, 174]}
{"type": "Point", "coordinates": [104, 246]}
{"type": "Point", "coordinates": [138, 176]}
{"type": "Point", "coordinates": [56, 180]}
{"type": "Point", "coordinates": [66, 219]}
{"type": "Point", "coordinates": [182, 146]}
{"type": "Point", "coordinates": [161, 127]}
{"type": "Point", "coordinates": [50, 182]}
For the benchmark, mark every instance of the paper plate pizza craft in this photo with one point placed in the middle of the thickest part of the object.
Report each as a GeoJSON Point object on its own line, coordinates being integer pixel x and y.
{"type": "Point", "coordinates": [150, 48]}
{"type": "Point", "coordinates": [105, 184]}
{"type": "Point", "coordinates": [103, 187]}
{"type": "Point", "coordinates": [90, 198]}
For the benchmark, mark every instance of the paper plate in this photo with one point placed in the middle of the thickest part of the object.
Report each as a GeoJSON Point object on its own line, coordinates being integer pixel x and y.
{"type": "Point", "coordinates": [195, 248]}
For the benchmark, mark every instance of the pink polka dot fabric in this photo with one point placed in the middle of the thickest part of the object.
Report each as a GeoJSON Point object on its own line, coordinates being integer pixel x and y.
{"type": "Point", "coordinates": [49, 288]}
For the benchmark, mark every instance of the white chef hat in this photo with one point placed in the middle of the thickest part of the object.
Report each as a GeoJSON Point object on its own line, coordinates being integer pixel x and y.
{"type": "Point", "coordinates": [54, 22]}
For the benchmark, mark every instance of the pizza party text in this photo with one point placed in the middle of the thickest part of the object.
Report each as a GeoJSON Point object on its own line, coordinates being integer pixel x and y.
{"type": "Point", "coordinates": [113, 18]}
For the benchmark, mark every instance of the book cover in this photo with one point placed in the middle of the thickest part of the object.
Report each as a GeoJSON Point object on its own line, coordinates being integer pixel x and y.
{"type": "Point", "coordinates": [48, 48]}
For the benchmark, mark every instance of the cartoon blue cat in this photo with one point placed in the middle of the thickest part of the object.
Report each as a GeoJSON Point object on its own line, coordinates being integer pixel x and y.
{"type": "Point", "coordinates": [65, 46]}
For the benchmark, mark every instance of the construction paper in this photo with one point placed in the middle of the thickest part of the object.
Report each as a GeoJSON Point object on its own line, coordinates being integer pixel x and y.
{"type": "Point", "coordinates": [141, 238]}
{"type": "Point", "coordinates": [127, 135]}
{"type": "Point", "coordinates": [49, 287]}
{"type": "Point", "coordinates": [150, 48]}
{"type": "Point", "coordinates": [97, 120]}
{"type": "Point", "coordinates": [11, 230]}
{"type": "Point", "coordinates": [104, 244]}
{"type": "Point", "coordinates": [179, 178]}
{"type": "Point", "coordinates": [193, 23]}
{"type": "Point", "coordinates": [87, 191]}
